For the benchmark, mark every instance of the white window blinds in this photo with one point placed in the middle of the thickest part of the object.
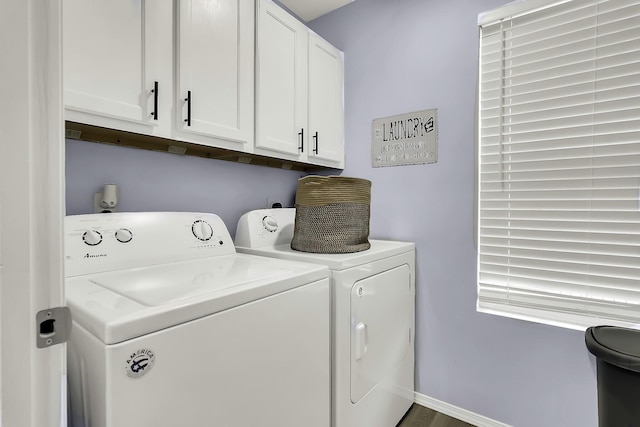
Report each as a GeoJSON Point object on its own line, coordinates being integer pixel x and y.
{"type": "Point", "coordinates": [559, 164]}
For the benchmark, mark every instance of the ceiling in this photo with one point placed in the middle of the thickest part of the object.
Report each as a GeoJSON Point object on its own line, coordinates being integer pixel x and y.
{"type": "Point", "coordinates": [309, 10]}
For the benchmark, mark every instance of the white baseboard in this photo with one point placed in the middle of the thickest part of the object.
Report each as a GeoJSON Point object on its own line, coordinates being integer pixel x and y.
{"type": "Point", "coordinates": [456, 412]}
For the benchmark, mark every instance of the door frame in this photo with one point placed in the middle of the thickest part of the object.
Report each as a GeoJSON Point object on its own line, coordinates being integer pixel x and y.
{"type": "Point", "coordinates": [32, 380]}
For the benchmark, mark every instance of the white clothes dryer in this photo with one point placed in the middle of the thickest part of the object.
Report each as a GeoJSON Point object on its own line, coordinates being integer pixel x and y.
{"type": "Point", "coordinates": [373, 305]}
{"type": "Point", "coordinates": [172, 327]}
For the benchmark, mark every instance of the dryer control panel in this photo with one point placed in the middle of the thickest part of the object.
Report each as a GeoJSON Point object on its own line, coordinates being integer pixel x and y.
{"type": "Point", "coordinates": [265, 228]}
{"type": "Point", "coordinates": [105, 242]}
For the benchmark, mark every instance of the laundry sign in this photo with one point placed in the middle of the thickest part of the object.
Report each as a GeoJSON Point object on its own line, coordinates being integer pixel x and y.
{"type": "Point", "coordinates": [407, 139]}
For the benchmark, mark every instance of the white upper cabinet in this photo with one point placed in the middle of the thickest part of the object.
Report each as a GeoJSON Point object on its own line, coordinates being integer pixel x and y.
{"type": "Point", "coordinates": [215, 72]}
{"type": "Point", "coordinates": [299, 91]}
{"type": "Point", "coordinates": [241, 75]}
{"type": "Point", "coordinates": [120, 71]}
{"type": "Point", "coordinates": [326, 103]}
{"type": "Point", "coordinates": [113, 61]}
{"type": "Point", "coordinates": [281, 86]}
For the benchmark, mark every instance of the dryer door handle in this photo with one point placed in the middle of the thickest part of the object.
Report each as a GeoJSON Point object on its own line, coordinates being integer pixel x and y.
{"type": "Point", "coordinates": [360, 340]}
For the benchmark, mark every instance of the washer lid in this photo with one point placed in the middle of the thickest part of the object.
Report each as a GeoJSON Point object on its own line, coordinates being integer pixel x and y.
{"type": "Point", "coordinates": [120, 305]}
{"type": "Point", "coordinates": [379, 249]}
{"type": "Point", "coordinates": [615, 345]}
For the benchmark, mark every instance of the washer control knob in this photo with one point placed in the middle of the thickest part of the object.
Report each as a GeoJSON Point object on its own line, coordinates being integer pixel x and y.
{"type": "Point", "coordinates": [123, 235]}
{"type": "Point", "coordinates": [202, 230]}
{"type": "Point", "coordinates": [270, 224]}
{"type": "Point", "coordinates": [92, 237]}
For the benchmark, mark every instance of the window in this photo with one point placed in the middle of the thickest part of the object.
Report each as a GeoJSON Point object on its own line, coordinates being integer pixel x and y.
{"type": "Point", "coordinates": [559, 162]}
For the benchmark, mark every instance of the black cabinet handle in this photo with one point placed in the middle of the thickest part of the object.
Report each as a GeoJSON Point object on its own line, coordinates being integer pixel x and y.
{"type": "Point", "coordinates": [188, 101]}
{"type": "Point", "coordinates": [315, 138]}
{"type": "Point", "coordinates": [154, 91]}
{"type": "Point", "coordinates": [301, 135]}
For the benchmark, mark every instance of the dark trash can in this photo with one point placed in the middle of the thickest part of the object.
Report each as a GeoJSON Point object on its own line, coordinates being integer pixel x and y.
{"type": "Point", "coordinates": [617, 352]}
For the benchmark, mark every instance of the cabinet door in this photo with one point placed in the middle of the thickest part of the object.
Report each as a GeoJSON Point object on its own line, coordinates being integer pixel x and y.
{"type": "Point", "coordinates": [326, 108]}
{"type": "Point", "coordinates": [215, 41]}
{"type": "Point", "coordinates": [281, 85]}
{"type": "Point", "coordinates": [110, 66]}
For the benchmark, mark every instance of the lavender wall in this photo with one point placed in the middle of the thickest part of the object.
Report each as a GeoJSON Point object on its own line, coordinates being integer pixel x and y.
{"type": "Point", "coordinates": [154, 181]}
{"type": "Point", "coordinates": [409, 55]}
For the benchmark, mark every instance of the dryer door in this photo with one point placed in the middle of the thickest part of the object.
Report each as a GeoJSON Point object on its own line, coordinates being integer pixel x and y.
{"type": "Point", "coordinates": [381, 313]}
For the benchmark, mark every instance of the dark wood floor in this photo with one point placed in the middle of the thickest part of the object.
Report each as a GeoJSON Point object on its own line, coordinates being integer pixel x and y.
{"type": "Point", "coordinates": [419, 416]}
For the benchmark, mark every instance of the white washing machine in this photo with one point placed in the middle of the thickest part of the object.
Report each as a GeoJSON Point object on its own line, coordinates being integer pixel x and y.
{"type": "Point", "coordinates": [172, 327]}
{"type": "Point", "coordinates": [373, 304]}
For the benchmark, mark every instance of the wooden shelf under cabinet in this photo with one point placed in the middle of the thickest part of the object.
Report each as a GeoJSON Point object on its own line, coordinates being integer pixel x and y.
{"type": "Point", "coordinates": [84, 132]}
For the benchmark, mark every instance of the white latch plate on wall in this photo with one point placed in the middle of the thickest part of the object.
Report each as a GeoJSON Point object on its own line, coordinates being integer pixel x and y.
{"type": "Point", "coordinates": [53, 326]}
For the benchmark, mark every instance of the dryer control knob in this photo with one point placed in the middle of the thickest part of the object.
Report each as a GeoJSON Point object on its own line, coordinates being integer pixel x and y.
{"type": "Point", "coordinates": [270, 224]}
{"type": "Point", "coordinates": [92, 237]}
{"type": "Point", "coordinates": [123, 235]}
{"type": "Point", "coordinates": [202, 230]}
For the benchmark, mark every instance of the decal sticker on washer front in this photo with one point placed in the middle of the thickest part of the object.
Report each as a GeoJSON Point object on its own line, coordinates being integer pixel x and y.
{"type": "Point", "coordinates": [140, 362]}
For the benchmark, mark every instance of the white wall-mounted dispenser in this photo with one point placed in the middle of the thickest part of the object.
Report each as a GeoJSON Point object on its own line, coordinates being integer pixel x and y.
{"type": "Point", "coordinates": [107, 200]}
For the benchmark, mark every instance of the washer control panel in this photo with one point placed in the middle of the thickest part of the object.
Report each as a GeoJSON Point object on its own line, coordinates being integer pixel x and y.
{"type": "Point", "coordinates": [265, 227]}
{"type": "Point", "coordinates": [123, 235]}
{"type": "Point", "coordinates": [92, 237]}
{"type": "Point", "coordinates": [202, 230]}
{"type": "Point", "coordinates": [104, 242]}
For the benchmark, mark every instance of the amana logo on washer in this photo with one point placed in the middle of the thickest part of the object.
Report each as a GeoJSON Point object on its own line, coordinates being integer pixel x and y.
{"type": "Point", "coordinates": [140, 362]}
